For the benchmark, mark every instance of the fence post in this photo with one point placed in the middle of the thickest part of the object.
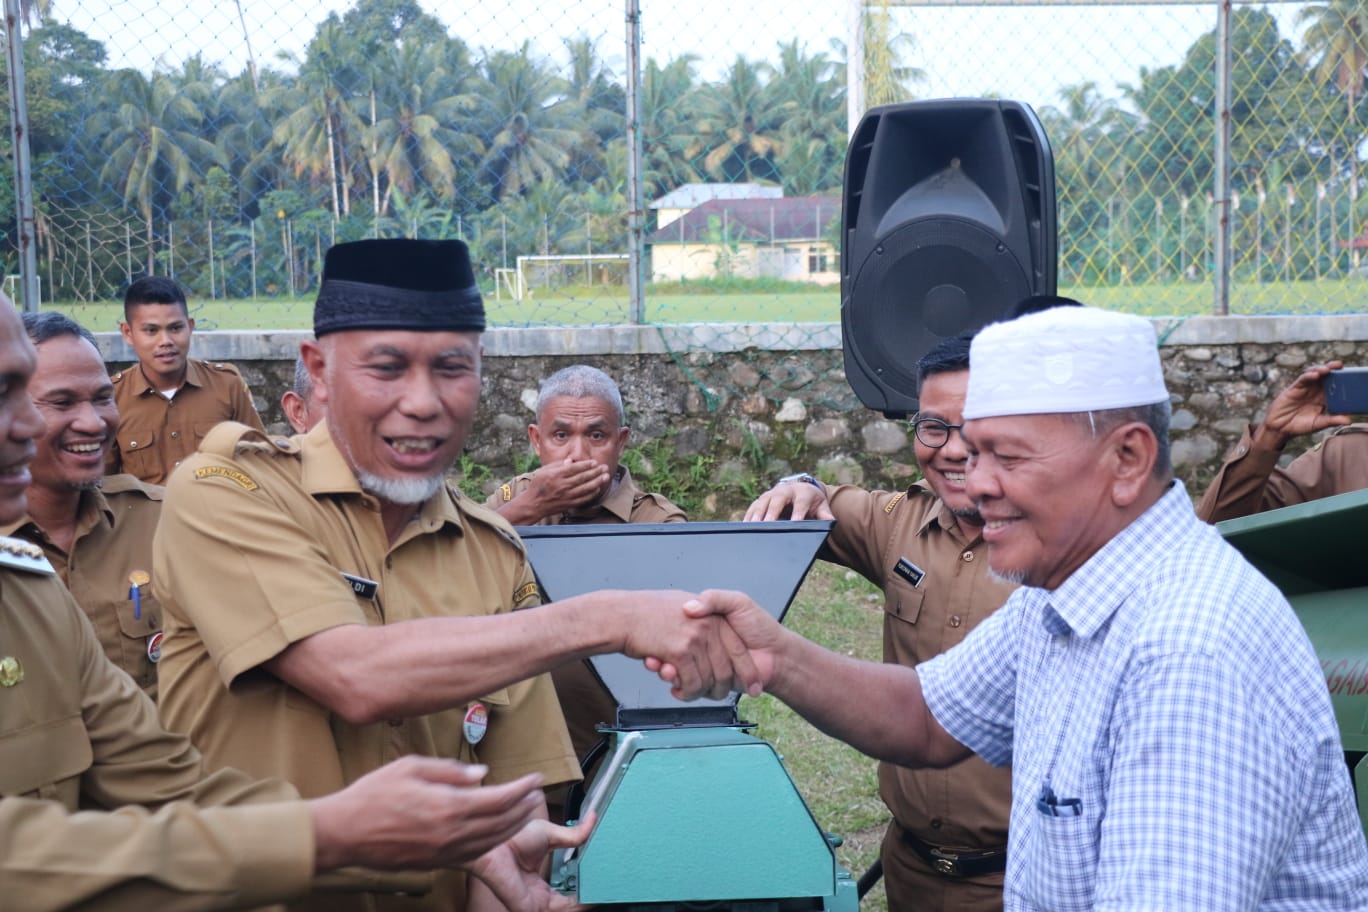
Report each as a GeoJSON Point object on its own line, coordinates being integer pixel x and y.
{"type": "Point", "coordinates": [23, 159]}
{"type": "Point", "coordinates": [636, 222]}
{"type": "Point", "coordinates": [1221, 306]}
{"type": "Point", "coordinates": [855, 61]}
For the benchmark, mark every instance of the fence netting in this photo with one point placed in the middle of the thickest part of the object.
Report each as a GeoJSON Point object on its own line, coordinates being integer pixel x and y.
{"type": "Point", "coordinates": [230, 144]}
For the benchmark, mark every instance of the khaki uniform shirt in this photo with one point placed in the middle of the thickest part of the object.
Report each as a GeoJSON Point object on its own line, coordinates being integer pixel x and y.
{"type": "Point", "coordinates": [250, 557]}
{"type": "Point", "coordinates": [586, 702]}
{"type": "Point", "coordinates": [75, 733]}
{"type": "Point", "coordinates": [879, 534]}
{"type": "Point", "coordinates": [156, 433]}
{"type": "Point", "coordinates": [1251, 480]}
{"type": "Point", "coordinates": [625, 503]}
{"type": "Point", "coordinates": [114, 532]}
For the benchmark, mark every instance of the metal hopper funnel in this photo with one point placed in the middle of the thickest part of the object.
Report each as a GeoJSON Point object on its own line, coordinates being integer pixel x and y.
{"type": "Point", "coordinates": [765, 560]}
{"type": "Point", "coordinates": [684, 787]}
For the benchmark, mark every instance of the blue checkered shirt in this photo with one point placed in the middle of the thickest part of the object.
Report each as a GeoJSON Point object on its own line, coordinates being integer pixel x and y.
{"type": "Point", "coordinates": [1169, 729]}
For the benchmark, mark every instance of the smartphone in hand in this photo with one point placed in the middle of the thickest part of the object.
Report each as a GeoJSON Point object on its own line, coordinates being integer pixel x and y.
{"type": "Point", "coordinates": [1346, 391]}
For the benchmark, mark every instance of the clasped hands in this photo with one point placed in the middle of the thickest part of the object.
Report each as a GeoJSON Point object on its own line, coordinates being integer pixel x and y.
{"type": "Point", "coordinates": [705, 645]}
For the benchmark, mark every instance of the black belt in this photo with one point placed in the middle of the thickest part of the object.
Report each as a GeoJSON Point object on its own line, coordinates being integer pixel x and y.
{"type": "Point", "coordinates": [955, 864]}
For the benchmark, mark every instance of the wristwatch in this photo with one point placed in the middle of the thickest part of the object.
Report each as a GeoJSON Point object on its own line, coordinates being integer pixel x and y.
{"type": "Point", "coordinates": [805, 477]}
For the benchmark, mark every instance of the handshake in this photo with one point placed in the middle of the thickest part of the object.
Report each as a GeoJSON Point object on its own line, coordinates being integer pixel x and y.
{"type": "Point", "coordinates": [705, 645]}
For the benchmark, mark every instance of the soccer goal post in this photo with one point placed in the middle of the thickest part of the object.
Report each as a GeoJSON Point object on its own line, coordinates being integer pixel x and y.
{"type": "Point", "coordinates": [557, 271]}
{"type": "Point", "coordinates": [507, 280]}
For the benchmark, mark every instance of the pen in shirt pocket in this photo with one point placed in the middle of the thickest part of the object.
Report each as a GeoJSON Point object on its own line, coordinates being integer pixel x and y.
{"type": "Point", "coordinates": [136, 580]}
{"type": "Point", "coordinates": [1048, 803]}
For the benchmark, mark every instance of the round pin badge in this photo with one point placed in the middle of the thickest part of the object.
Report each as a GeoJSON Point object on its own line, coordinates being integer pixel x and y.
{"type": "Point", "coordinates": [154, 647]}
{"type": "Point", "coordinates": [476, 723]}
{"type": "Point", "coordinates": [11, 671]}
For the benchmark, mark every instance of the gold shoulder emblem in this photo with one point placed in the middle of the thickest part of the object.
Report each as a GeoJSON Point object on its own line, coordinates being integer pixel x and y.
{"type": "Point", "coordinates": [239, 477]}
{"type": "Point", "coordinates": [18, 554]}
{"type": "Point", "coordinates": [892, 504]}
{"type": "Point", "coordinates": [524, 592]}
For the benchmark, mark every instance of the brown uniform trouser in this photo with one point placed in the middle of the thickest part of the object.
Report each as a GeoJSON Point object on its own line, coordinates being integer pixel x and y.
{"type": "Point", "coordinates": [911, 885]}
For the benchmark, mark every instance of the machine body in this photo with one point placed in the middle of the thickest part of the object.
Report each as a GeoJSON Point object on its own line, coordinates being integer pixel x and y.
{"type": "Point", "coordinates": [693, 809]}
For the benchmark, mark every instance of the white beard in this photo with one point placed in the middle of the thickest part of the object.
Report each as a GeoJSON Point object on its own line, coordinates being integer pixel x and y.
{"type": "Point", "coordinates": [1015, 577]}
{"type": "Point", "coordinates": [400, 490]}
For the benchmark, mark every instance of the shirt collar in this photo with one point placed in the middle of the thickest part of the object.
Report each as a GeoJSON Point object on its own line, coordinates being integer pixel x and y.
{"type": "Point", "coordinates": [195, 375]}
{"type": "Point", "coordinates": [619, 500]}
{"type": "Point", "coordinates": [941, 517]}
{"type": "Point", "coordinates": [91, 510]}
{"type": "Point", "coordinates": [1092, 593]}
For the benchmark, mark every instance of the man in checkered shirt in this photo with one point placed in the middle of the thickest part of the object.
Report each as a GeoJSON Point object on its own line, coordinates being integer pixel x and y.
{"type": "Point", "coordinates": [1167, 721]}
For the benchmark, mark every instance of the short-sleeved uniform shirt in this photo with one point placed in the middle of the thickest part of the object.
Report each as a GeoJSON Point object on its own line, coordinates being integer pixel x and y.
{"type": "Point", "coordinates": [936, 588]}
{"type": "Point", "coordinates": [625, 503]}
{"type": "Point", "coordinates": [156, 434]}
{"type": "Point", "coordinates": [76, 734]}
{"type": "Point", "coordinates": [266, 543]}
{"type": "Point", "coordinates": [114, 530]}
{"type": "Point", "coordinates": [1251, 480]}
{"type": "Point", "coordinates": [1170, 731]}
{"type": "Point", "coordinates": [583, 699]}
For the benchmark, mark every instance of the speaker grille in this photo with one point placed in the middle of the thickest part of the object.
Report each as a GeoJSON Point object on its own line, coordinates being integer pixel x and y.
{"type": "Point", "coordinates": [925, 282]}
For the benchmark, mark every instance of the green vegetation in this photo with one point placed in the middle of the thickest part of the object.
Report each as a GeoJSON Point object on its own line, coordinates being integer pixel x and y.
{"type": "Point", "coordinates": [764, 302]}
{"type": "Point", "coordinates": [389, 125]}
{"type": "Point", "coordinates": [838, 609]}
{"type": "Point", "coordinates": [655, 467]}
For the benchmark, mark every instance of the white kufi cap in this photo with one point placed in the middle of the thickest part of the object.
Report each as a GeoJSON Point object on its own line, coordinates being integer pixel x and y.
{"type": "Point", "coordinates": [1061, 360]}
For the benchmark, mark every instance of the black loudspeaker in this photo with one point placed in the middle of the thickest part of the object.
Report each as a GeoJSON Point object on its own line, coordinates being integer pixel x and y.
{"type": "Point", "coordinates": [947, 221]}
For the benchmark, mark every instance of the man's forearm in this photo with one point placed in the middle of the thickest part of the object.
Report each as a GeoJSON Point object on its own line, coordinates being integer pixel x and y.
{"type": "Point", "coordinates": [876, 708]}
{"type": "Point", "coordinates": [425, 665]}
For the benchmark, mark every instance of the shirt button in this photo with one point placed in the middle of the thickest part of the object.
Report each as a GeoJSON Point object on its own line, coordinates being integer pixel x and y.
{"type": "Point", "coordinates": [936, 823]}
{"type": "Point", "coordinates": [968, 556]}
{"type": "Point", "coordinates": [955, 620]}
{"type": "Point", "coordinates": [132, 444]}
{"type": "Point", "coordinates": [389, 563]}
{"type": "Point", "coordinates": [175, 435]}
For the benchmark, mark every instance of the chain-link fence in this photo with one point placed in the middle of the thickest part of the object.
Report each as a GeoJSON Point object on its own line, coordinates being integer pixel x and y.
{"type": "Point", "coordinates": [229, 144]}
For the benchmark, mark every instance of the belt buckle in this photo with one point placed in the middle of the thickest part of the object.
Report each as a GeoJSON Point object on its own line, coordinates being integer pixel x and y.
{"type": "Point", "coordinates": [946, 863]}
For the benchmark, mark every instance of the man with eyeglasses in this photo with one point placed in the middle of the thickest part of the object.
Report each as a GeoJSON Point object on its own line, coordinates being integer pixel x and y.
{"type": "Point", "coordinates": [946, 846]}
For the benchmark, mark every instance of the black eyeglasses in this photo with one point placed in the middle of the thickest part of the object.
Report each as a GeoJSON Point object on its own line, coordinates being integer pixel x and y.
{"type": "Point", "coordinates": [933, 432]}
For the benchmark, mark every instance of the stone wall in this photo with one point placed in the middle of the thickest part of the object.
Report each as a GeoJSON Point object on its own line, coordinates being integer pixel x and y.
{"type": "Point", "coordinates": [716, 410]}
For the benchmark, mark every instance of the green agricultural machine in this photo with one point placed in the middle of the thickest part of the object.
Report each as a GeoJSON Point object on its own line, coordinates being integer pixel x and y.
{"type": "Point", "coordinates": [694, 811]}
{"type": "Point", "coordinates": [1314, 552]}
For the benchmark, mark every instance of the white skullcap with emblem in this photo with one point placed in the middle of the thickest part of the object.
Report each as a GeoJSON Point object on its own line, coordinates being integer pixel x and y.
{"type": "Point", "coordinates": [1061, 360]}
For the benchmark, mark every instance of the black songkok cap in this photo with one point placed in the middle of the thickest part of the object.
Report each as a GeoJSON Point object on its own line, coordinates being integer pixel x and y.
{"type": "Point", "coordinates": [397, 283]}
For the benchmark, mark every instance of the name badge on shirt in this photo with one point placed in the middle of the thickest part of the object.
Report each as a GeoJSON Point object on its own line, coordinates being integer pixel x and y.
{"type": "Point", "coordinates": [366, 588]}
{"type": "Point", "coordinates": [909, 571]}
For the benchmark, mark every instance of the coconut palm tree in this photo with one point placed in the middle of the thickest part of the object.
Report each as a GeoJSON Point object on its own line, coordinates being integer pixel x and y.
{"type": "Point", "coordinates": [813, 135]}
{"type": "Point", "coordinates": [416, 136]}
{"type": "Point", "coordinates": [888, 76]}
{"type": "Point", "coordinates": [530, 123]}
{"type": "Point", "coordinates": [1335, 46]}
{"type": "Point", "coordinates": [152, 149]}
{"type": "Point", "coordinates": [602, 104]}
{"type": "Point", "coordinates": [738, 124]}
{"type": "Point", "coordinates": [667, 99]}
{"type": "Point", "coordinates": [317, 134]}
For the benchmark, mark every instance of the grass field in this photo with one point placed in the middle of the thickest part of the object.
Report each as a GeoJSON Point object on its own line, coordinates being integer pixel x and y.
{"type": "Point", "coordinates": [793, 303]}
{"type": "Point", "coordinates": [841, 611]}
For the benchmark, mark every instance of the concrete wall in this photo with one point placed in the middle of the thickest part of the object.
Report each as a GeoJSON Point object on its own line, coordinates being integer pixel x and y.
{"type": "Point", "coordinates": [736, 401]}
